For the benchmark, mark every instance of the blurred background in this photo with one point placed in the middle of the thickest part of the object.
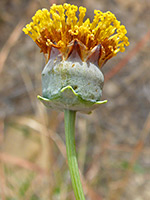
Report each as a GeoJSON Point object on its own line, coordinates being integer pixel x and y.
{"type": "Point", "coordinates": [113, 143]}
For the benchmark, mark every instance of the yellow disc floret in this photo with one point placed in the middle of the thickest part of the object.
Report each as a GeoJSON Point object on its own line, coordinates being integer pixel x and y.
{"type": "Point", "coordinates": [59, 26]}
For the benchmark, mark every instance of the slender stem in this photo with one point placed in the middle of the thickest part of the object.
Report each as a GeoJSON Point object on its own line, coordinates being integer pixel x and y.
{"type": "Point", "coordinates": [71, 154]}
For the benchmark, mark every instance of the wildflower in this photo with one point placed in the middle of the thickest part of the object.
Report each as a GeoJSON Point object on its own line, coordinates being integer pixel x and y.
{"type": "Point", "coordinates": [59, 27]}
{"type": "Point", "coordinates": [75, 51]}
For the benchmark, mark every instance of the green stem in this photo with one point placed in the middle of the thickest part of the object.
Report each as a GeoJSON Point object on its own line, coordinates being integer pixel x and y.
{"type": "Point", "coordinates": [71, 154]}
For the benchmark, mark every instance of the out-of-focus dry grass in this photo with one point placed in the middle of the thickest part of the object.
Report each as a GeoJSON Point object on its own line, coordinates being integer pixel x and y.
{"type": "Point", "coordinates": [112, 143]}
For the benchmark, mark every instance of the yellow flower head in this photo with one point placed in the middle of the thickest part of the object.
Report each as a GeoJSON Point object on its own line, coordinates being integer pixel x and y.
{"type": "Point", "coordinates": [60, 28]}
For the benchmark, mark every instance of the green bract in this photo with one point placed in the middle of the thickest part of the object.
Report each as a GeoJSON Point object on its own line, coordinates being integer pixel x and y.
{"type": "Point", "coordinates": [71, 84]}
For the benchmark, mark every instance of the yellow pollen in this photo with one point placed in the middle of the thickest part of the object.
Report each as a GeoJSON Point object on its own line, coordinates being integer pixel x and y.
{"type": "Point", "coordinates": [59, 26]}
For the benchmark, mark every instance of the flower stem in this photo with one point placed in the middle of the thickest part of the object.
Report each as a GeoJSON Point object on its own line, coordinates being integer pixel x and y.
{"type": "Point", "coordinates": [71, 154]}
